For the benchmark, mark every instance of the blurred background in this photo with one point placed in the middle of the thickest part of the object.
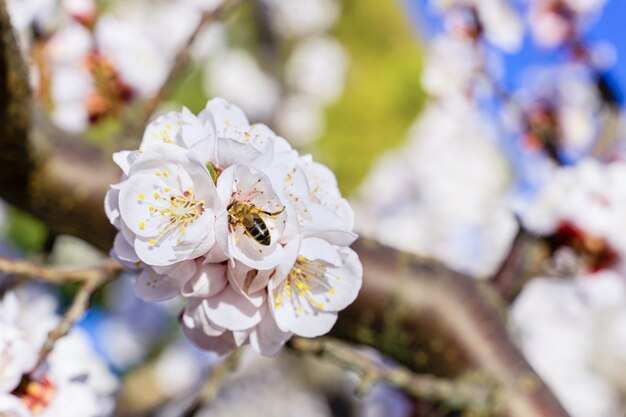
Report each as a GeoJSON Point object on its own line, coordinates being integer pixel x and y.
{"type": "Point", "coordinates": [453, 126]}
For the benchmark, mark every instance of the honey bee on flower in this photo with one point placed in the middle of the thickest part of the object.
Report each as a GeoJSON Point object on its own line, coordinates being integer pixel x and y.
{"type": "Point", "coordinates": [225, 213]}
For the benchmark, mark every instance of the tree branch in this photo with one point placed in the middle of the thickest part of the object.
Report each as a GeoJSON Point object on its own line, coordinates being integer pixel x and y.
{"type": "Point", "coordinates": [75, 312]}
{"type": "Point", "coordinates": [461, 395]}
{"type": "Point", "coordinates": [26, 269]}
{"type": "Point", "coordinates": [133, 126]}
{"type": "Point", "coordinates": [436, 321]}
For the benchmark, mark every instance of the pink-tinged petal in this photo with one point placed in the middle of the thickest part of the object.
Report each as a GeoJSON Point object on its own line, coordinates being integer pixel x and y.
{"type": "Point", "coordinates": [267, 338]}
{"type": "Point", "coordinates": [124, 159]}
{"type": "Point", "coordinates": [241, 337]}
{"type": "Point", "coordinates": [201, 181]}
{"type": "Point", "coordinates": [203, 151]}
{"type": "Point", "coordinates": [111, 206]}
{"type": "Point", "coordinates": [304, 319]}
{"type": "Point", "coordinates": [291, 251]}
{"type": "Point", "coordinates": [181, 271]}
{"type": "Point", "coordinates": [218, 253]}
{"type": "Point", "coordinates": [124, 253]}
{"type": "Point", "coordinates": [197, 238]}
{"type": "Point", "coordinates": [153, 254]}
{"type": "Point", "coordinates": [221, 345]}
{"type": "Point", "coordinates": [151, 286]}
{"type": "Point", "coordinates": [248, 280]}
{"type": "Point", "coordinates": [225, 185]}
{"type": "Point", "coordinates": [194, 317]}
{"type": "Point", "coordinates": [138, 198]}
{"type": "Point", "coordinates": [229, 120]}
{"type": "Point", "coordinates": [335, 237]}
{"type": "Point", "coordinates": [307, 300]}
{"type": "Point", "coordinates": [345, 281]}
{"type": "Point", "coordinates": [193, 130]}
{"type": "Point", "coordinates": [157, 157]}
{"type": "Point", "coordinates": [262, 137]}
{"type": "Point", "coordinates": [232, 310]}
{"type": "Point", "coordinates": [164, 129]}
{"type": "Point", "coordinates": [240, 278]}
{"type": "Point", "coordinates": [322, 218]}
{"type": "Point", "coordinates": [230, 152]}
{"type": "Point", "coordinates": [209, 280]}
{"type": "Point", "coordinates": [318, 249]}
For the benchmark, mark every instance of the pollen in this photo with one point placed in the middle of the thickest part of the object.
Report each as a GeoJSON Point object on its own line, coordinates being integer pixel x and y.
{"type": "Point", "coordinates": [142, 196]}
{"type": "Point", "coordinates": [156, 196]}
{"type": "Point", "coordinates": [152, 242]}
{"type": "Point", "coordinates": [142, 225]}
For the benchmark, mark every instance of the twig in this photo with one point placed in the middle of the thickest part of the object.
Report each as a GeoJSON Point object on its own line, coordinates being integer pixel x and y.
{"type": "Point", "coordinates": [76, 310]}
{"type": "Point", "coordinates": [214, 383]}
{"type": "Point", "coordinates": [26, 269]}
{"type": "Point", "coordinates": [459, 394]}
{"type": "Point", "coordinates": [180, 63]}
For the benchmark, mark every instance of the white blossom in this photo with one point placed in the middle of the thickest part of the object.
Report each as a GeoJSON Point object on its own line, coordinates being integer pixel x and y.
{"type": "Point", "coordinates": [591, 196]}
{"type": "Point", "coordinates": [444, 195]}
{"type": "Point", "coordinates": [497, 18]}
{"type": "Point", "coordinates": [228, 215]}
{"type": "Point", "coordinates": [71, 382]}
{"type": "Point", "coordinates": [300, 18]}
{"type": "Point", "coordinates": [317, 67]}
{"type": "Point", "coordinates": [553, 321]}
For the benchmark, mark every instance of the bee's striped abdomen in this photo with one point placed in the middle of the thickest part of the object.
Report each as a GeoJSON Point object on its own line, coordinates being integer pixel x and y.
{"type": "Point", "coordinates": [257, 229]}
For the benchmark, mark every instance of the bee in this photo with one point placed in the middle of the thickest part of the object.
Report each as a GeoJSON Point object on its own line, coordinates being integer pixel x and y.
{"type": "Point", "coordinates": [249, 216]}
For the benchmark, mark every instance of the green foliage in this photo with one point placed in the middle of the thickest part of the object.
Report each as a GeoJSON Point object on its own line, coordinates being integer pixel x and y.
{"type": "Point", "coordinates": [189, 91]}
{"type": "Point", "coordinates": [383, 94]}
{"type": "Point", "coordinates": [26, 232]}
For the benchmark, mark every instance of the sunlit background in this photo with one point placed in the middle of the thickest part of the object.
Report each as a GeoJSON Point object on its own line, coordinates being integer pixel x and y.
{"type": "Point", "coordinates": [451, 125]}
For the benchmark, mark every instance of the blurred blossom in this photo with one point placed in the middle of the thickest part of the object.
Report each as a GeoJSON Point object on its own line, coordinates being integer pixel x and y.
{"type": "Point", "coordinates": [452, 69]}
{"type": "Point", "coordinates": [259, 381]}
{"type": "Point", "coordinates": [181, 368]}
{"type": "Point", "coordinates": [127, 329]}
{"type": "Point", "coordinates": [300, 18]}
{"type": "Point", "coordinates": [384, 401]}
{"type": "Point", "coordinates": [444, 194]}
{"type": "Point", "coordinates": [583, 206]}
{"type": "Point", "coordinates": [71, 382]}
{"type": "Point", "coordinates": [236, 76]}
{"type": "Point", "coordinates": [301, 119]}
{"type": "Point", "coordinates": [317, 67]}
{"type": "Point", "coordinates": [555, 22]}
{"type": "Point", "coordinates": [497, 20]}
{"type": "Point", "coordinates": [562, 109]}
{"type": "Point", "coordinates": [554, 322]}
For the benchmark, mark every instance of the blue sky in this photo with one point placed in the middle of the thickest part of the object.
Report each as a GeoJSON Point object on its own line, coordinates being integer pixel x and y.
{"type": "Point", "coordinates": [609, 27]}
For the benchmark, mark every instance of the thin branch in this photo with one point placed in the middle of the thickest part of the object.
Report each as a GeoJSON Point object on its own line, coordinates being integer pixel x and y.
{"type": "Point", "coordinates": [214, 383]}
{"type": "Point", "coordinates": [26, 269]}
{"type": "Point", "coordinates": [436, 321]}
{"type": "Point", "coordinates": [180, 63]}
{"type": "Point", "coordinates": [79, 305]}
{"type": "Point", "coordinates": [462, 395]}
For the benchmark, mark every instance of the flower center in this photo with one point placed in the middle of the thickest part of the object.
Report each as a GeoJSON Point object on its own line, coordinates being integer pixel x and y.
{"type": "Point", "coordinates": [305, 277]}
{"type": "Point", "coordinates": [181, 211]}
{"type": "Point", "coordinates": [35, 395]}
